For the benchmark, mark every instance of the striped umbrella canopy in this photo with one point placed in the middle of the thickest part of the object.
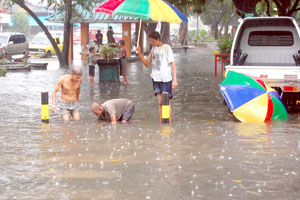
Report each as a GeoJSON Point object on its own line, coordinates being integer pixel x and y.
{"type": "Point", "coordinates": [85, 15]}
{"type": "Point", "coordinates": [250, 99]}
{"type": "Point", "coordinates": [156, 10]}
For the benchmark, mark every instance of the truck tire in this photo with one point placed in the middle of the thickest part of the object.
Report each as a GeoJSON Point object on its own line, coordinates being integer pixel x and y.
{"type": "Point", "coordinates": [48, 54]}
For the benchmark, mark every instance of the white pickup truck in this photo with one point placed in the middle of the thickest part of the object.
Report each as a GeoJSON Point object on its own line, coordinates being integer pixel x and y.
{"type": "Point", "coordinates": [269, 48]}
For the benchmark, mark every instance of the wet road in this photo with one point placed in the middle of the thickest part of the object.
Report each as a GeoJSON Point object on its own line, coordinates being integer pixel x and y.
{"type": "Point", "coordinates": [203, 154]}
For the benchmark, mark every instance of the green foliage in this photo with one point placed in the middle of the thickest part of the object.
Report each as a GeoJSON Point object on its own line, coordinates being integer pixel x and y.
{"type": "Point", "coordinates": [268, 7]}
{"type": "Point", "coordinates": [219, 13]}
{"type": "Point", "coordinates": [203, 33]}
{"type": "Point", "coordinates": [3, 72]}
{"type": "Point", "coordinates": [182, 5]}
{"type": "Point", "coordinates": [21, 23]}
{"type": "Point", "coordinates": [211, 38]}
{"type": "Point", "coordinates": [198, 6]}
{"type": "Point", "coordinates": [261, 9]}
{"type": "Point", "coordinates": [225, 45]}
{"type": "Point", "coordinates": [3, 61]}
{"type": "Point", "coordinates": [107, 52]}
{"type": "Point", "coordinates": [193, 35]}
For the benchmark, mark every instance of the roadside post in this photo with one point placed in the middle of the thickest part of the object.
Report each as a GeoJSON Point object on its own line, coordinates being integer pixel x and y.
{"type": "Point", "coordinates": [165, 108]}
{"type": "Point", "coordinates": [45, 107]}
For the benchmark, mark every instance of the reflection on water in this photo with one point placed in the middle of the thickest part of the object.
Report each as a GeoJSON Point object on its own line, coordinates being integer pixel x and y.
{"type": "Point", "coordinates": [203, 154]}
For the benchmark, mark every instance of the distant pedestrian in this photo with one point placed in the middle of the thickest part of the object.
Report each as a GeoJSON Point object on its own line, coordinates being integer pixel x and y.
{"type": "Point", "coordinates": [123, 61]}
{"type": "Point", "coordinates": [92, 61]}
{"type": "Point", "coordinates": [163, 74]}
{"type": "Point", "coordinates": [69, 97]}
{"type": "Point", "coordinates": [99, 38]}
{"type": "Point", "coordinates": [114, 110]}
{"type": "Point", "coordinates": [110, 36]}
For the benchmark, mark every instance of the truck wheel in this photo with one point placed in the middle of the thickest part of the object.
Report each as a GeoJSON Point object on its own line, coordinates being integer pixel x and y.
{"type": "Point", "coordinates": [48, 55]}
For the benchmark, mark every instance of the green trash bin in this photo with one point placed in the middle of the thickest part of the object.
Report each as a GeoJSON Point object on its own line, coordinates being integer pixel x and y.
{"type": "Point", "coordinates": [109, 70]}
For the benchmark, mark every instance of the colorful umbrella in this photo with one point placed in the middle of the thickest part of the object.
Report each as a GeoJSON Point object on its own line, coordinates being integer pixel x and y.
{"type": "Point", "coordinates": [250, 99]}
{"type": "Point", "coordinates": [156, 10]}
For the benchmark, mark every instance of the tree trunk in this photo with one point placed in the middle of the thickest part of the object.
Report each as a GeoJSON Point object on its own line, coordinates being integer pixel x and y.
{"type": "Point", "coordinates": [220, 31]}
{"type": "Point", "coordinates": [268, 8]}
{"type": "Point", "coordinates": [197, 31]}
{"type": "Point", "coordinates": [44, 28]}
{"type": "Point", "coordinates": [215, 29]}
{"type": "Point", "coordinates": [149, 28]}
{"type": "Point", "coordinates": [226, 34]}
{"type": "Point", "coordinates": [165, 33]}
{"type": "Point", "coordinates": [294, 9]}
{"type": "Point", "coordinates": [183, 30]}
{"type": "Point", "coordinates": [67, 27]}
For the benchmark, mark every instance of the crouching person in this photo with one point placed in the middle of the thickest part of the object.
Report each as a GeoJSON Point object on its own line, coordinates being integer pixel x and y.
{"type": "Point", "coordinates": [114, 110]}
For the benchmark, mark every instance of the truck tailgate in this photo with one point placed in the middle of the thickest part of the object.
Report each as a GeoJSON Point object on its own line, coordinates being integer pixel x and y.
{"type": "Point", "coordinates": [274, 76]}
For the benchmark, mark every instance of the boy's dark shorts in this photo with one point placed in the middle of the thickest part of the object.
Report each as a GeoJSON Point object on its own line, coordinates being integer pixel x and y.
{"type": "Point", "coordinates": [160, 87]}
{"type": "Point", "coordinates": [92, 70]}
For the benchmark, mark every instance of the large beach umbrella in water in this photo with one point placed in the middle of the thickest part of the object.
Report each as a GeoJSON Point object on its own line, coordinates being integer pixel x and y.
{"type": "Point", "coordinates": [156, 10]}
{"type": "Point", "coordinates": [250, 99]}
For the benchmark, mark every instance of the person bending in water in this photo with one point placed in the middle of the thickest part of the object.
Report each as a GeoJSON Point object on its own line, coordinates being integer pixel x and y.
{"type": "Point", "coordinates": [69, 99]}
{"type": "Point", "coordinates": [114, 110]}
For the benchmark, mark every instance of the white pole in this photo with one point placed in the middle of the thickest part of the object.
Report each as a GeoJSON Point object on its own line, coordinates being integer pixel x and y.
{"type": "Point", "coordinates": [138, 40]}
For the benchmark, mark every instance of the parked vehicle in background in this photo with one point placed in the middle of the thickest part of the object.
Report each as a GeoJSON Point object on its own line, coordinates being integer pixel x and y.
{"type": "Point", "coordinates": [269, 48]}
{"type": "Point", "coordinates": [40, 46]}
{"type": "Point", "coordinates": [13, 43]}
{"type": "Point", "coordinates": [59, 34]}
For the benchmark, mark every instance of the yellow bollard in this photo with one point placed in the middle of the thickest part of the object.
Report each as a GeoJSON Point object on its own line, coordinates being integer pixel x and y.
{"type": "Point", "coordinates": [45, 107]}
{"type": "Point", "coordinates": [165, 108]}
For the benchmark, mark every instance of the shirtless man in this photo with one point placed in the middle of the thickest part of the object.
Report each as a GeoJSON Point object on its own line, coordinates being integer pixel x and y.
{"type": "Point", "coordinates": [70, 89]}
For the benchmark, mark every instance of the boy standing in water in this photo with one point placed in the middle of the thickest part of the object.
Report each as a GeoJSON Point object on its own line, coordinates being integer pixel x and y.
{"type": "Point", "coordinates": [163, 69]}
{"type": "Point", "coordinates": [123, 60]}
{"type": "Point", "coordinates": [92, 61]}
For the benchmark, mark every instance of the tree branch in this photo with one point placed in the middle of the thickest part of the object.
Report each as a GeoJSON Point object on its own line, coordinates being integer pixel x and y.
{"type": "Point", "coordinates": [294, 8]}
{"type": "Point", "coordinates": [280, 8]}
{"type": "Point", "coordinates": [44, 28]}
{"type": "Point", "coordinates": [222, 13]}
{"type": "Point", "coordinates": [268, 7]}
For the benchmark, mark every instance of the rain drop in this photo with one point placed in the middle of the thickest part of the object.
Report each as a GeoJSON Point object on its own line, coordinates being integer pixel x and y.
{"type": "Point", "coordinates": [259, 190]}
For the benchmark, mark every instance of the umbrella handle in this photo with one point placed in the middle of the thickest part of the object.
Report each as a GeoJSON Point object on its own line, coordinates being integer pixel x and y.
{"type": "Point", "coordinates": [139, 33]}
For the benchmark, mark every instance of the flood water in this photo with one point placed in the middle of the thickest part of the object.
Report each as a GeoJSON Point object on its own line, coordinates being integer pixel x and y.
{"type": "Point", "coordinates": [204, 154]}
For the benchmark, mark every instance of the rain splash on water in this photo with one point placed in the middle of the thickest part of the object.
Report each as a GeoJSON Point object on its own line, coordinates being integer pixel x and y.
{"type": "Point", "coordinates": [204, 154]}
